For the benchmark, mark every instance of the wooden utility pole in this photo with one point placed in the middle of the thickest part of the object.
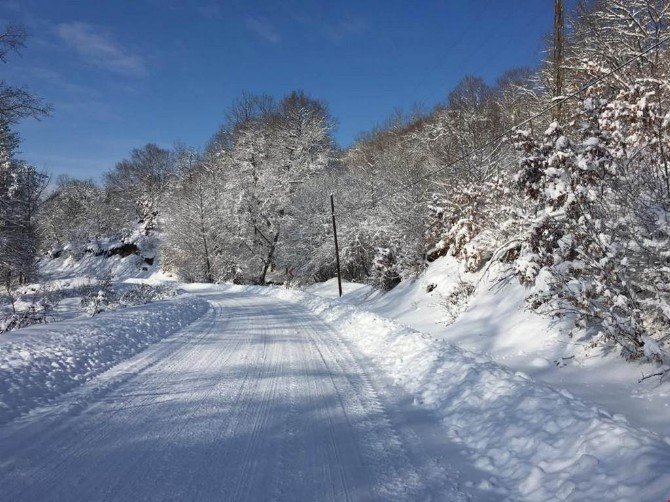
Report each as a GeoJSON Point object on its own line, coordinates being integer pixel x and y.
{"type": "Point", "coordinates": [559, 35]}
{"type": "Point", "coordinates": [337, 249]}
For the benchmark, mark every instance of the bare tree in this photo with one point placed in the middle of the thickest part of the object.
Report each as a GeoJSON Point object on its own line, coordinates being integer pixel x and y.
{"type": "Point", "coordinates": [17, 103]}
{"type": "Point", "coordinates": [21, 186]}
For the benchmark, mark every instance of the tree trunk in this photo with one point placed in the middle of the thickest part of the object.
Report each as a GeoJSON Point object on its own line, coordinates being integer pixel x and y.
{"type": "Point", "coordinates": [268, 261]}
{"type": "Point", "coordinates": [203, 233]}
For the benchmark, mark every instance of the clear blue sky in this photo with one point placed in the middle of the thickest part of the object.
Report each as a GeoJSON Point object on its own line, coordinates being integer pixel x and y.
{"type": "Point", "coordinates": [123, 73]}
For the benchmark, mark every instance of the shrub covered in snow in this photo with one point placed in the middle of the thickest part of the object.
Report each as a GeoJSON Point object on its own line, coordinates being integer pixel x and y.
{"type": "Point", "coordinates": [28, 305]}
{"type": "Point", "coordinates": [141, 294]}
{"type": "Point", "coordinates": [384, 269]}
{"type": "Point", "coordinates": [103, 295]}
{"type": "Point", "coordinates": [98, 296]}
{"type": "Point", "coordinates": [598, 203]}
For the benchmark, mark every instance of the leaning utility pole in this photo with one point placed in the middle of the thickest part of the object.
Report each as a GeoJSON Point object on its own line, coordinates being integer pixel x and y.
{"type": "Point", "coordinates": [558, 54]}
{"type": "Point", "coordinates": [337, 249]}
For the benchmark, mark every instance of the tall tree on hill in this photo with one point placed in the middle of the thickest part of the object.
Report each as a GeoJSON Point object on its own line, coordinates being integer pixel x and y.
{"type": "Point", "coordinates": [73, 214]}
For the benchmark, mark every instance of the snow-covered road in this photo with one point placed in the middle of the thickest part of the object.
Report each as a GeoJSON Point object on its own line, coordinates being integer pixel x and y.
{"type": "Point", "coordinates": [258, 400]}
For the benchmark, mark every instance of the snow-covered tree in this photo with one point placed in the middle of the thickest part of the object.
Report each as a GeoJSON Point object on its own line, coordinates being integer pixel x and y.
{"type": "Point", "coordinates": [20, 189]}
{"type": "Point", "coordinates": [267, 150]}
{"type": "Point", "coordinates": [137, 186]}
{"type": "Point", "coordinates": [73, 214]}
{"type": "Point", "coordinates": [20, 184]}
{"type": "Point", "coordinates": [199, 223]}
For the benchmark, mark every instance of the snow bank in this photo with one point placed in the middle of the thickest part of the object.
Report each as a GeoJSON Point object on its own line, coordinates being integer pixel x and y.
{"type": "Point", "coordinates": [41, 362]}
{"type": "Point", "coordinates": [495, 321]}
{"type": "Point", "coordinates": [537, 443]}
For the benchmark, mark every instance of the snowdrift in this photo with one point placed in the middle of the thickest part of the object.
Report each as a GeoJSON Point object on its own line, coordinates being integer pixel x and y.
{"type": "Point", "coordinates": [41, 362]}
{"type": "Point", "coordinates": [537, 442]}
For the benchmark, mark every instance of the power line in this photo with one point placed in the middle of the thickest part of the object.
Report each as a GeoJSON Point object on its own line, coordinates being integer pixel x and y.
{"type": "Point", "coordinates": [557, 103]}
{"type": "Point", "coordinates": [426, 74]}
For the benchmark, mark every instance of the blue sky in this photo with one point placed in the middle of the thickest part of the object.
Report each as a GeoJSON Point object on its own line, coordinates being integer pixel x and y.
{"type": "Point", "coordinates": [123, 73]}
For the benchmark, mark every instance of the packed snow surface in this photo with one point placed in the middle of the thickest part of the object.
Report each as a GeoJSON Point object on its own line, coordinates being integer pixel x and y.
{"type": "Point", "coordinates": [258, 400]}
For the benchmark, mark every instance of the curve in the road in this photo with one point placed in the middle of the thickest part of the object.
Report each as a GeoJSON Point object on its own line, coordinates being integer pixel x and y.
{"type": "Point", "coordinates": [257, 401]}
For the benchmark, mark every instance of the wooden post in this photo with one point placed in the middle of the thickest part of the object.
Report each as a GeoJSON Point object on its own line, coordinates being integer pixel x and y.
{"type": "Point", "coordinates": [337, 249]}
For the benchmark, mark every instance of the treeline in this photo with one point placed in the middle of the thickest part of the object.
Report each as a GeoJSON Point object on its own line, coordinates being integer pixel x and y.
{"type": "Point", "coordinates": [237, 211]}
{"type": "Point", "coordinates": [575, 204]}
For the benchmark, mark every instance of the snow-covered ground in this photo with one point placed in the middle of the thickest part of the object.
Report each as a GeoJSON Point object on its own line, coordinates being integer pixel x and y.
{"type": "Point", "coordinates": [247, 393]}
{"type": "Point", "coordinates": [494, 322]}
{"type": "Point", "coordinates": [258, 400]}
{"type": "Point", "coordinates": [536, 441]}
{"type": "Point", "coordinates": [39, 363]}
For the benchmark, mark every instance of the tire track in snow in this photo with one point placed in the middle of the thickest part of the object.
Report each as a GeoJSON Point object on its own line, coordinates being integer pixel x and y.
{"type": "Point", "coordinates": [261, 401]}
{"type": "Point", "coordinates": [73, 451]}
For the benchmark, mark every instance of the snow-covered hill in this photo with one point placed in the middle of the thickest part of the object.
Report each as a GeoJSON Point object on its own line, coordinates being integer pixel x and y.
{"type": "Point", "coordinates": [488, 315]}
{"type": "Point", "coordinates": [133, 257]}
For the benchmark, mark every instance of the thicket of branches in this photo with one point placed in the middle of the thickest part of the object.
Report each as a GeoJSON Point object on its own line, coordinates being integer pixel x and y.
{"type": "Point", "coordinates": [576, 203]}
